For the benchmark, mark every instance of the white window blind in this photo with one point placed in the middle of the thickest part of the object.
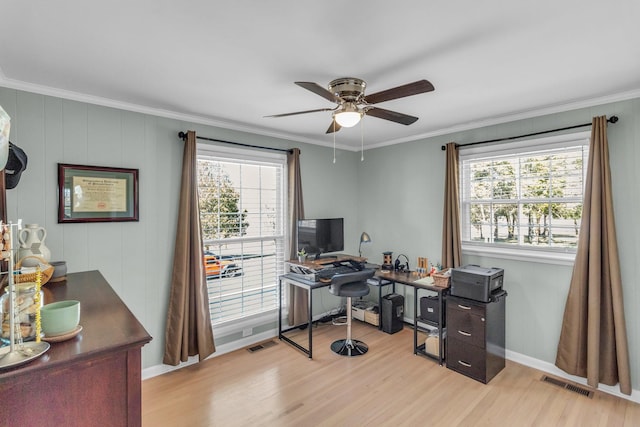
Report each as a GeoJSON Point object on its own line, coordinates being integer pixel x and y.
{"type": "Point", "coordinates": [242, 215]}
{"type": "Point", "coordinates": [526, 195]}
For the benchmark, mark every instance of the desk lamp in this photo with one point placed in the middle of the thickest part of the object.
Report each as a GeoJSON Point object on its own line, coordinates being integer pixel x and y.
{"type": "Point", "coordinates": [364, 238]}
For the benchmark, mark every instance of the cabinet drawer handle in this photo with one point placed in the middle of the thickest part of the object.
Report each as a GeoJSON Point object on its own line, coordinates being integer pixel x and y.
{"type": "Point", "coordinates": [466, 334]}
{"type": "Point", "coordinates": [464, 307]}
{"type": "Point", "coordinates": [464, 363]}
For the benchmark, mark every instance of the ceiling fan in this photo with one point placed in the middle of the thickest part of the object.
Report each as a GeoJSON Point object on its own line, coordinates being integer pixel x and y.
{"type": "Point", "coordinates": [348, 93]}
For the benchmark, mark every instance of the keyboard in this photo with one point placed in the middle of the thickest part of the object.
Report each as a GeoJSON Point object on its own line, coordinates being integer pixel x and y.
{"type": "Point", "coordinates": [329, 272]}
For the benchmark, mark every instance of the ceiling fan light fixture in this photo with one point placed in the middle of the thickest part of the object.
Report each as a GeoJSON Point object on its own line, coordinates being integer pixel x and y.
{"type": "Point", "coordinates": [348, 117]}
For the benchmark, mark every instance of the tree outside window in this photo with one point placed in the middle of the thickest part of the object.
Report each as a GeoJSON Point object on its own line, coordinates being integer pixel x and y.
{"type": "Point", "coordinates": [221, 215]}
{"type": "Point", "coordinates": [529, 199]}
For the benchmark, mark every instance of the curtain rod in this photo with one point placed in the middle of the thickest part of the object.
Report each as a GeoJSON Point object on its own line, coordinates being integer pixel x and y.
{"type": "Point", "coordinates": [183, 136]}
{"type": "Point", "coordinates": [612, 119]}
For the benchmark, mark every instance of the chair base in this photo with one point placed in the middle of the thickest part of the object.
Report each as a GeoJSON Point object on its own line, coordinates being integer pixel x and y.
{"type": "Point", "coordinates": [348, 347]}
{"type": "Point", "coordinates": [338, 321]}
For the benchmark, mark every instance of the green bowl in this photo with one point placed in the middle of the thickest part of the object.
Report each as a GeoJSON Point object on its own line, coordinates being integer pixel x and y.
{"type": "Point", "coordinates": [59, 318]}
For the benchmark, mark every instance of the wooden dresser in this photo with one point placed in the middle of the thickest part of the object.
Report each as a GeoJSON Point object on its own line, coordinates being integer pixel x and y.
{"type": "Point", "coordinates": [92, 379]}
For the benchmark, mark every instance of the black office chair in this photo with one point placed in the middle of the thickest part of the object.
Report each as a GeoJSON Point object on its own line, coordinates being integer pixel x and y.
{"type": "Point", "coordinates": [350, 285]}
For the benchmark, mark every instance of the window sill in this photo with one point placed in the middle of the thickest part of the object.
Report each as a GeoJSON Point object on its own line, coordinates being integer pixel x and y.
{"type": "Point", "coordinates": [543, 257]}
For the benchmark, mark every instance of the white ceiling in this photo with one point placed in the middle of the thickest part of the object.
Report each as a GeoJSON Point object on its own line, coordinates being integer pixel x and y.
{"type": "Point", "coordinates": [231, 63]}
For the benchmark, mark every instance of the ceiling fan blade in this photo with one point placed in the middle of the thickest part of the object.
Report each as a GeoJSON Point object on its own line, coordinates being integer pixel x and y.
{"type": "Point", "coordinates": [318, 90]}
{"type": "Point", "coordinates": [301, 112]}
{"type": "Point", "coordinates": [333, 127]}
{"type": "Point", "coordinates": [394, 116]}
{"type": "Point", "coordinates": [409, 89]}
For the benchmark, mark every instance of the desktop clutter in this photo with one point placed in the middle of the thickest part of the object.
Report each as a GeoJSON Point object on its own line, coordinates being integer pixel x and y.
{"type": "Point", "coordinates": [427, 274]}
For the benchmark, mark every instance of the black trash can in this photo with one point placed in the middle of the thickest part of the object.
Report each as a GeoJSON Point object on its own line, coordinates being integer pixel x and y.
{"type": "Point", "coordinates": [392, 313]}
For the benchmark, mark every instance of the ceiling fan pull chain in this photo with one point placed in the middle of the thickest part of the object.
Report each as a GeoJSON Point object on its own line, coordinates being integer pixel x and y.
{"type": "Point", "coordinates": [334, 141]}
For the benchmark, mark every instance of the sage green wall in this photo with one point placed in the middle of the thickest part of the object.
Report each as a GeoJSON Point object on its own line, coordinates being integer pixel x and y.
{"type": "Point", "coordinates": [136, 257]}
{"type": "Point", "coordinates": [401, 193]}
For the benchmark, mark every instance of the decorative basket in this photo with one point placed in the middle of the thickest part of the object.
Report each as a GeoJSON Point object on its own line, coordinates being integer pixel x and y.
{"type": "Point", "coordinates": [441, 280]}
{"type": "Point", "coordinates": [46, 271]}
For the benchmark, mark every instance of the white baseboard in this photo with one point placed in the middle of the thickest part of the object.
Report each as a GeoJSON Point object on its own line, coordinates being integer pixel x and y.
{"type": "Point", "coordinates": [156, 370]}
{"type": "Point", "coordinates": [554, 370]}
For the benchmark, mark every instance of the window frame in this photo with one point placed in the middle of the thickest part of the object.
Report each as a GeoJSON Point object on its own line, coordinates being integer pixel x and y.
{"type": "Point", "coordinates": [547, 255]}
{"type": "Point", "coordinates": [233, 154]}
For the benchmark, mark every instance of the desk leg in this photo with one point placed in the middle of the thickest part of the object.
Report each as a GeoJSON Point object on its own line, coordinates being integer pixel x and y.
{"type": "Point", "coordinates": [281, 331]}
{"type": "Point", "coordinates": [280, 308]}
{"type": "Point", "coordinates": [415, 319]}
{"type": "Point", "coordinates": [310, 320]}
{"type": "Point", "coordinates": [441, 324]}
{"type": "Point", "coordinates": [380, 305]}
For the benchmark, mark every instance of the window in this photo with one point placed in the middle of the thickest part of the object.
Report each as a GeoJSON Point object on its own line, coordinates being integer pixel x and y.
{"type": "Point", "coordinates": [242, 216]}
{"type": "Point", "coordinates": [525, 196]}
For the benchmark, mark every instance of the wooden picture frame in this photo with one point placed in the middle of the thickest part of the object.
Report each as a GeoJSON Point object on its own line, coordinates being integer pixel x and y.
{"type": "Point", "coordinates": [97, 194]}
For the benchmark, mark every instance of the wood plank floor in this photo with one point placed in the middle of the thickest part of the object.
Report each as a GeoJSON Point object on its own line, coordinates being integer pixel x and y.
{"type": "Point", "coordinates": [389, 386]}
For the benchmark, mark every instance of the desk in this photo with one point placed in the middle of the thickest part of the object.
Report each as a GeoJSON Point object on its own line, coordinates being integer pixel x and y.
{"type": "Point", "coordinates": [384, 279]}
{"type": "Point", "coordinates": [93, 378]}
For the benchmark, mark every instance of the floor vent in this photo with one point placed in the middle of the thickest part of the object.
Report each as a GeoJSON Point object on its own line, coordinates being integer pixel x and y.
{"type": "Point", "coordinates": [261, 346]}
{"type": "Point", "coordinates": [567, 386]}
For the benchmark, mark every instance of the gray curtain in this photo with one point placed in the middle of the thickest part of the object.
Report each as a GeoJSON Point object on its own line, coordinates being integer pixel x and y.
{"type": "Point", "coordinates": [189, 330]}
{"type": "Point", "coordinates": [298, 309]}
{"type": "Point", "coordinates": [593, 339]}
{"type": "Point", "coordinates": [451, 245]}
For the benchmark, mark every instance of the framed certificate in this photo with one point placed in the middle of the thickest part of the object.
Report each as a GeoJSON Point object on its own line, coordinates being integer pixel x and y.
{"type": "Point", "coordinates": [97, 194]}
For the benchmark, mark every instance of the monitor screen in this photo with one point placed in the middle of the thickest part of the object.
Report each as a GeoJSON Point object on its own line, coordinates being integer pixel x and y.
{"type": "Point", "coordinates": [320, 236]}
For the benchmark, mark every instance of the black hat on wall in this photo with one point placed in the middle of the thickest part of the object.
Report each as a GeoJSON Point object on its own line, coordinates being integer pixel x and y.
{"type": "Point", "coordinates": [16, 164]}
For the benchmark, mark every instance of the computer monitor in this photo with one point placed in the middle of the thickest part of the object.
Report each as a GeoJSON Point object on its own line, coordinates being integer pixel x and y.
{"type": "Point", "coordinates": [321, 236]}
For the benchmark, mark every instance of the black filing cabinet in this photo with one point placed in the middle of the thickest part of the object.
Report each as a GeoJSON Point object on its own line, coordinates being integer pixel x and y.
{"type": "Point", "coordinates": [476, 335]}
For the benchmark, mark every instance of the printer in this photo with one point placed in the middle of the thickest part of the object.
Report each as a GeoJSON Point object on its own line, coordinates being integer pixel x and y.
{"type": "Point", "coordinates": [476, 283]}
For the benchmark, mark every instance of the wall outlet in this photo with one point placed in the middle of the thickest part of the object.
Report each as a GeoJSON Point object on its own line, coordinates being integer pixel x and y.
{"type": "Point", "coordinates": [246, 332]}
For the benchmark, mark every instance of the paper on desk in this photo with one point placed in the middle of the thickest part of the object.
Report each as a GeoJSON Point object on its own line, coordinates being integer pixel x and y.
{"type": "Point", "coordinates": [424, 281]}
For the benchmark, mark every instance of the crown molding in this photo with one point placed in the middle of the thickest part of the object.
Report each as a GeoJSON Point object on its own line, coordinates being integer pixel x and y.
{"type": "Point", "coordinates": [209, 121]}
{"type": "Point", "coordinates": [136, 108]}
{"type": "Point", "coordinates": [528, 114]}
